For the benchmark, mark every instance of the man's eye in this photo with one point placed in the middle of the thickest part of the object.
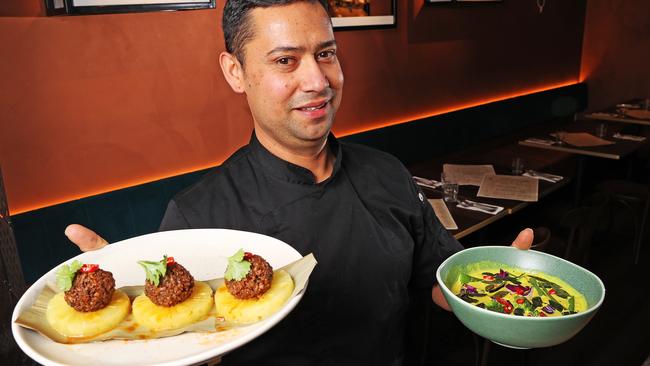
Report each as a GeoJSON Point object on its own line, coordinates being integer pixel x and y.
{"type": "Point", "coordinates": [326, 54]}
{"type": "Point", "coordinates": [284, 61]}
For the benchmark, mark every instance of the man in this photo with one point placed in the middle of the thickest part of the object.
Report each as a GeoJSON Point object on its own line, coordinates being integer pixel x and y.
{"type": "Point", "coordinates": [371, 229]}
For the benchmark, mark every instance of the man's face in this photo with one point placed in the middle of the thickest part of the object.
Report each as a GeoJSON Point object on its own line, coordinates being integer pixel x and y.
{"type": "Point", "coordinates": [291, 74]}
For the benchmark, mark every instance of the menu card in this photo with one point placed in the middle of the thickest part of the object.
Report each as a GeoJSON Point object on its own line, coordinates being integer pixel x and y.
{"type": "Point", "coordinates": [443, 214]}
{"type": "Point", "coordinates": [584, 139]}
{"type": "Point", "coordinates": [510, 187]}
{"type": "Point", "coordinates": [467, 174]}
{"type": "Point", "coordinates": [638, 113]}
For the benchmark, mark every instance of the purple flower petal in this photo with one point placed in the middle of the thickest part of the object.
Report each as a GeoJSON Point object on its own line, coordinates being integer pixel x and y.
{"type": "Point", "coordinates": [502, 274]}
{"type": "Point", "coordinates": [512, 288]}
{"type": "Point", "coordinates": [470, 289]}
{"type": "Point", "coordinates": [548, 309]}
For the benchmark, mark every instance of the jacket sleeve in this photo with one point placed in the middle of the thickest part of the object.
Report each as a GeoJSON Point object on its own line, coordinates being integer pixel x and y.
{"type": "Point", "coordinates": [173, 218]}
{"type": "Point", "coordinates": [433, 243]}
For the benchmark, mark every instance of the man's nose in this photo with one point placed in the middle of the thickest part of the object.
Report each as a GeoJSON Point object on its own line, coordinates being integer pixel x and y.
{"type": "Point", "coordinates": [312, 76]}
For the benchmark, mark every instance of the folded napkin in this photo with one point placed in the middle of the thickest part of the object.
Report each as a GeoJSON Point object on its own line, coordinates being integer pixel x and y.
{"type": "Point", "coordinates": [534, 140]}
{"type": "Point", "coordinates": [543, 176]}
{"type": "Point", "coordinates": [425, 182]}
{"type": "Point", "coordinates": [604, 114]}
{"type": "Point", "coordinates": [621, 136]}
{"type": "Point", "coordinates": [443, 214]}
{"type": "Point", "coordinates": [479, 206]}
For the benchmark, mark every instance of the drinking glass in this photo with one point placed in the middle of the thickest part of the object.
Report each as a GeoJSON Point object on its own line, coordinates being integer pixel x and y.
{"type": "Point", "coordinates": [517, 166]}
{"type": "Point", "coordinates": [601, 130]}
{"type": "Point", "coordinates": [449, 188]}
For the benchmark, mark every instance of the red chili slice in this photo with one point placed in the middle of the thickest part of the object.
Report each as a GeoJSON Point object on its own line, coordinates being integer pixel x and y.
{"type": "Point", "coordinates": [520, 300]}
{"type": "Point", "coordinates": [170, 261]}
{"type": "Point", "coordinates": [543, 315]}
{"type": "Point", "coordinates": [488, 278]}
{"type": "Point", "coordinates": [507, 306]}
{"type": "Point", "coordinates": [88, 268]}
{"type": "Point", "coordinates": [551, 291]}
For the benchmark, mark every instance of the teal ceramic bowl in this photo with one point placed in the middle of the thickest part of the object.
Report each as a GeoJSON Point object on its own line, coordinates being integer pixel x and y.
{"type": "Point", "coordinates": [519, 331]}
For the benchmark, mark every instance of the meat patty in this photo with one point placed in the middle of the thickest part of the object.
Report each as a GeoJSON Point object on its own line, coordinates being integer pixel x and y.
{"type": "Point", "coordinates": [91, 291]}
{"type": "Point", "coordinates": [257, 281]}
{"type": "Point", "coordinates": [174, 287]}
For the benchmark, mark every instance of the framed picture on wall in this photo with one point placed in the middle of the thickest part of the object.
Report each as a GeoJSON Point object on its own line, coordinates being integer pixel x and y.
{"type": "Point", "coordinates": [355, 14]}
{"type": "Point", "coordinates": [80, 7]}
{"type": "Point", "coordinates": [461, 1]}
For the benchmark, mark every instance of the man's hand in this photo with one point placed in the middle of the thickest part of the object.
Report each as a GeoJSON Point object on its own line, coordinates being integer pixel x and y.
{"type": "Point", "coordinates": [523, 241]}
{"type": "Point", "coordinates": [84, 238]}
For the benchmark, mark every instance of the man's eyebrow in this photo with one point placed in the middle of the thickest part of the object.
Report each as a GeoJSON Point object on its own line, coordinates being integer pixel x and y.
{"type": "Point", "coordinates": [326, 44]}
{"type": "Point", "coordinates": [281, 49]}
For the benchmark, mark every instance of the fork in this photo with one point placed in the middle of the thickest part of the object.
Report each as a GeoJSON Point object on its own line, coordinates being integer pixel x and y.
{"type": "Point", "coordinates": [426, 182]}
{"type": "Point", "coordinates": [483, 206]}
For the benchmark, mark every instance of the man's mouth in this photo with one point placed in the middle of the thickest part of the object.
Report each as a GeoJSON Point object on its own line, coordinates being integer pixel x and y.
{"type": "Point", "coordinates": [313, 107]}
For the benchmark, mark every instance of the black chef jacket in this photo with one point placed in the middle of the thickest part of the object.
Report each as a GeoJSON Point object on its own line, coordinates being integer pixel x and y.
{"type": "Point", "coordinates": [370, 228]}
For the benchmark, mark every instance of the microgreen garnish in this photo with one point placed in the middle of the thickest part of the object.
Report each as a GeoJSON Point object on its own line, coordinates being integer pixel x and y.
{"type": "Point", "coordinates": [65, 274]}
{"type": "Point", "coordinates": [238, 267]}
{"type": "Point", "coordinates": [154, 270]}
{"type": "Point", "coordinates": [521, 294]}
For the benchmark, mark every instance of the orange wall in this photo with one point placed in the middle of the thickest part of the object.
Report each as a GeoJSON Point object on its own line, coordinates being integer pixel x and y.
{"type": "Point", "coordinates": [616, 51]}
{"type": "Point", "coordinates": [22, 8]}
{"type": "Point", "coordinates": [93, 103]}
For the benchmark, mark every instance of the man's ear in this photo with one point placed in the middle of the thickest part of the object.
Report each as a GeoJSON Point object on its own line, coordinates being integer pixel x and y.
{"type": "Point", "coordinates": [232, 71]}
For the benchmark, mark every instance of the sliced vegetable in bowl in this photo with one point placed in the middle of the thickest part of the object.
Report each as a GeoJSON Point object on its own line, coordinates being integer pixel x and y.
{"type": "Point", "coordinates": [518, 292]}
{"type": "Point", "coordinates": [484, 273]}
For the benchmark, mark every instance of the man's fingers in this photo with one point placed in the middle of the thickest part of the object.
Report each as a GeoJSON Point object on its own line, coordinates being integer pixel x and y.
{"type": "Point", "coordinates": [84, 238]}
{"type": "Point", "coordinates": [524, 240]}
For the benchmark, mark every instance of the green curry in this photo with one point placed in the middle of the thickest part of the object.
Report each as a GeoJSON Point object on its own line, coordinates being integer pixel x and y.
{"type": "Point", "coordinates": [514, 291]}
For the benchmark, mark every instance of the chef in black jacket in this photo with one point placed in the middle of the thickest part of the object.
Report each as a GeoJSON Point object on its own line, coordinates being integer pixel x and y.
{"type": "Point", "coordinates": [371, 229]}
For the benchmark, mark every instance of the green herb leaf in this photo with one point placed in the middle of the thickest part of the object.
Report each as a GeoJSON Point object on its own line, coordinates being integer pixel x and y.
{"type": "Point", "coordinates": [465, 278]}
{"type": "Point", "coordinates": [237, 268]}
{"type": "Point", "coordinates": [468, 298]}
{"type": "Point", "coordinates": [495, 306]}
{"type": "Point", "coordinates": [66, 273]}
{"type": "Point", "coordinates": [154, 270]}
{"type": "Point", "coordinates": [556, 305]}
{"type": "Point", "coordinates": [560, 292]}
{"type": "Point", "coordinates": [494, 287]}
{"type": "Point", "coordinates": [572, 304]}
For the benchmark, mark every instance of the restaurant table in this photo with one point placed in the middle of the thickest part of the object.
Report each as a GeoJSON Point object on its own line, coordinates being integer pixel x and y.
{"type": "Point", "coordinates": [613, 114]}
{"type": "Point", "coordinates": [616, 151]}
{"type": "Point", "coordinates": [469, 221]}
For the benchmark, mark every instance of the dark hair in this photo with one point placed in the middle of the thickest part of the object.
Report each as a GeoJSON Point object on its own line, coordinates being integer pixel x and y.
{"type": "Point", "coordinates": [235, 22]}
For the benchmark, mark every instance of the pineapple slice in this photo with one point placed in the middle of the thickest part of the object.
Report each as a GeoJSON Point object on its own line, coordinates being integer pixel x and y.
{"type": "Point", "coordinates": [159, 318]}
{"type": "Point", "coordinates": [253, 310]}
{"type": "Point", "coordinates": [72, 323]}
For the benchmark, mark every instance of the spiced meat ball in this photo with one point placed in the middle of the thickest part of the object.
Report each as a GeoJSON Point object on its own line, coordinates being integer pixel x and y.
{"type": "Point", "coordinates": [256, 283]}
{"type": "Point", "coordinates": [174, 287]}
{"type": "Point", "coordinates": [91, 291]}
